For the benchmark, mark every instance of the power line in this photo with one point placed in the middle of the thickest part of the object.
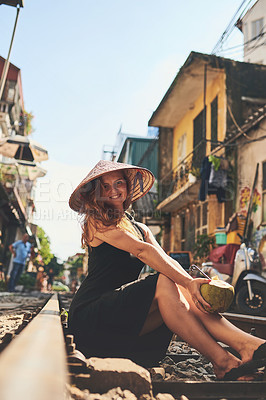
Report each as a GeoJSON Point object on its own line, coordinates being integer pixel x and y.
{"type": "Point", "coordinates": [240, 46]}
{"type": "Point", "coordinates": [231, 26]}
{"type": "Point", "coordinates": [254, 47]}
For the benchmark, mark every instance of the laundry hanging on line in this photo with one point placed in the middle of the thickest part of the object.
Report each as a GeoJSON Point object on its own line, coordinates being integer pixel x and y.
{"type": "Point", "coordinates": [218, 184]}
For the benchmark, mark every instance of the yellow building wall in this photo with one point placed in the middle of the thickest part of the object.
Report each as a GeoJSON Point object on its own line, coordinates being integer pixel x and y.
{"type": "Point", "coordinates": [216, 87]}
{"type": "Point", "coordinates": [185, 125]}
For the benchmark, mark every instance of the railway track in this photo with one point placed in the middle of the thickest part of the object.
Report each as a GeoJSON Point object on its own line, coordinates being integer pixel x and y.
{"type": "Point", "coordinates": [40, 363]}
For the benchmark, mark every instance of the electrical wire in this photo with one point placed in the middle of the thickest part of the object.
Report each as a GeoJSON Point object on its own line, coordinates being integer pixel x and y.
{"type": "Point", "coordinates": [231, 26]}
{"type": "Point", "coordinates": [244, 44]}
{"type": "Point", "coordinates": [227, 30]}
{"type": "Point", "coordinates": [254, 48]}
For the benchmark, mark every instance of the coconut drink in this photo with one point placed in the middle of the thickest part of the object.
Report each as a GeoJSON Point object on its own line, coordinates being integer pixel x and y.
{"type": "Point", "coordinates": [218, 294]}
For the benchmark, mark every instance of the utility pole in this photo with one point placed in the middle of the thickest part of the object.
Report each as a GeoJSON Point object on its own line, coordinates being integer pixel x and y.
{"type": "Point", "coordinates": [17, 4]}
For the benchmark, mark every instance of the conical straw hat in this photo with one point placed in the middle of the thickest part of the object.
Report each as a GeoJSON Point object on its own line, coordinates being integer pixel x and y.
{"type": "Point", "coordinates": [140, 179]}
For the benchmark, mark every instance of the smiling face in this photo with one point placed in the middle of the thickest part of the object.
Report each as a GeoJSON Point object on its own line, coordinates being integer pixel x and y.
{"type": "Point", "coordinates": [114, 189]}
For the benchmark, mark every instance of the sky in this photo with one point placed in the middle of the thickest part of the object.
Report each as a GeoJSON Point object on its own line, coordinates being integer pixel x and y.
{"type": "Point", "coordinates": [91, 67]}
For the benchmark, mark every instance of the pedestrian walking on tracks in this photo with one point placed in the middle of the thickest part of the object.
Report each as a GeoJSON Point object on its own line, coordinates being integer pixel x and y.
{"type": "Point", "coordinates": [21, 250]}
{"type": "Point", "coordinates": [116, 314]}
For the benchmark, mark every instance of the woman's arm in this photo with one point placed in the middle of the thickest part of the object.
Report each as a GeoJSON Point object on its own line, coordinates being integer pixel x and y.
{"type": "Point", "coordinates": [151, 239]}
{"type": "Point", "coordinates": [153, 255]}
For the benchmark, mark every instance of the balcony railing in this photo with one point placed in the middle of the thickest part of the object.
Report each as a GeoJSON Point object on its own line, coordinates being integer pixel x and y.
{"type": "Point", "coordinates": [188, 170]}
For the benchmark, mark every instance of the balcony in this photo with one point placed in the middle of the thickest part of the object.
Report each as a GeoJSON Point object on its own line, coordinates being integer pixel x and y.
{"type": "Point", "coordinates": [181, 185]}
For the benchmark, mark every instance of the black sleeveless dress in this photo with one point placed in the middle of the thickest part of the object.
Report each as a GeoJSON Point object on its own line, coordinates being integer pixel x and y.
{"type": "Point", "coordinates": [108, 311]}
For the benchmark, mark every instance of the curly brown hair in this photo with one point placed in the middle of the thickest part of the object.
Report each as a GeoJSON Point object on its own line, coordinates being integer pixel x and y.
{"type": "Point", "coordinates": [96, 216]}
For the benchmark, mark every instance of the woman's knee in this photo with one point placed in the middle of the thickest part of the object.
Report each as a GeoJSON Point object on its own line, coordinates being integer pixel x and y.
{"type": "Point", "coordinates": [164, 284]}
{"type": "Point", "coordinates": [167, 291]}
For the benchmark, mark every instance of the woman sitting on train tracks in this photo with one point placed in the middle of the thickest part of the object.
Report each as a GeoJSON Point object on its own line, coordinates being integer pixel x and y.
{"type": "Point", "coordinates": [115, 314]}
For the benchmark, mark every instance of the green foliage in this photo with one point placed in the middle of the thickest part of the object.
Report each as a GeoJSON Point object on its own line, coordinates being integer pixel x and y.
{"type": "Point", "coordinates": [45, 250]}
{"type": "Point", "coordinates": [28, 122]}
{"type": "Point", "coordinates": [75, 264]}
{"type": "Point", "coordinates": [27, 281]}
{"type": "Point", "coordinates": [195, 171]}
{"type": "Point", "coordinates": [203, 246]}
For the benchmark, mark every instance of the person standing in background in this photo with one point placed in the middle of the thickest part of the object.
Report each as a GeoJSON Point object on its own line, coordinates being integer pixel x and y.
{"type": "Point", "coordinates": [50, 274]}
{"type": "Point", "coordinates": [20, 249]}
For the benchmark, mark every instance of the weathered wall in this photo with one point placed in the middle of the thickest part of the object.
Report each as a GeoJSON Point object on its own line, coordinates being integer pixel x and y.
{"type": "Point", "coordinates": [242, 79]}
{"type": "Point", "coordinates": [248, 156]}
{"type": "Point", "coordinates": [257, 55]}
{"type": "Point", "coordinates": [215, 88]}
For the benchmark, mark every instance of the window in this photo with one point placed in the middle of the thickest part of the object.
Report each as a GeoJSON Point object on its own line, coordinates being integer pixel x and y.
{"type": "Point", "coordinates": [264, 193]}
{"type": "Point", "coordinates": [181, 148]}
{"type": "Point", "coordinates": [199, 138]}
{"type": "Point", "coordinates": [11, 91]}
{"type": "Point", "coordinates": [214, 123]}
{"type": "Point", "coordinates": [202, 219]}
{"type": "Point", "coordinates": [256, 28]}
{"type": "Point", "coordinates": [245, 31]}
{"type": "Point", "coordinates": [198, 216]}
{"type": "Point", "coordinates": [205, 213]}
{"type": "Point", "coordinates": [183, 231]}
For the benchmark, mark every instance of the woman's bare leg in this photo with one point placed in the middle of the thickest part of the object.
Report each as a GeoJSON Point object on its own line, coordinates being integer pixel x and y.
{"type": "Point", "coordinates": [224, 331]}
{"type": "Point", "coordinates": [199, 329]}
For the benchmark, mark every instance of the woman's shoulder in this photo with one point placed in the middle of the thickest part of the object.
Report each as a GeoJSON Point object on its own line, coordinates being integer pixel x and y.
{"type": "Point", "coordinates": [96, 242]}
{"type": "Point", "coordinates": [101, 233]}
{"type": "Point", "coordinates": [144, 229]}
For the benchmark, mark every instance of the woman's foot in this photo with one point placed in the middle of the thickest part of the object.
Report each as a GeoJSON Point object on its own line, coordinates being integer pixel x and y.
{"type": "Point", "coordinates": [231, 368]}
{"type": "Point", "coordinates": [225, 365]}
{"type": "Point", "coordinates": [248, 349]}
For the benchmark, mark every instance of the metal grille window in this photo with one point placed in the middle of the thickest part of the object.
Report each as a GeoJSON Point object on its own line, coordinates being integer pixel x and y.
{"type": "Point", "coordinates": [214, 123]}
{"type": "Point", "coordinates": [202, 219]}
{"type": "Point", "coordinates": [199, 137]}
{"type": "Point", "coordinates": [204, 214]}
{"type": "Point", "coordinates": [264, 193]}
{"type": "Point", "coordinates": [183, 231]}
{"type": "Point", "coordinates": [198, 216]}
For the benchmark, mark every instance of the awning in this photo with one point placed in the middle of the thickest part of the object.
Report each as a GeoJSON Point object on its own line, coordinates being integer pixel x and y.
{"type": "Point", "coordinates": [25, 169]}
{"type": "Point", "coordinates": [13, 3]}
{"type": "Point", "coordinates": [179, 199]}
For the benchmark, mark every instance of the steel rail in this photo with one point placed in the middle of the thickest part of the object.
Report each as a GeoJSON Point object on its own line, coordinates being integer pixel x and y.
{"type": "Point", "coordinates": [248, 323]}
{"type": "Point", "coordinates": [212, 390]}
{"type": "Point", "coordinates": [33, 366]}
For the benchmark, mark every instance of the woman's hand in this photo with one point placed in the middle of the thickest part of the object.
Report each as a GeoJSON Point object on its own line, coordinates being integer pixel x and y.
{"type": "Point", "coordinates": [194, 289]}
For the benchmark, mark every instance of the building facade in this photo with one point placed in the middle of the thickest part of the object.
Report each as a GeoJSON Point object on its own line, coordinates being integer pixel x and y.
{"type": "Point", "coordinates": [208, 100]}
{"type": "Point", "coordinates": [253, 27]}
{"type": "Point", "coordinates": [17, 176]}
